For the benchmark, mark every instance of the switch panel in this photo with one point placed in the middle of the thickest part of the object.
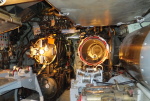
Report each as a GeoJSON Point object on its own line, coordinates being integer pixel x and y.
{"type": "Point", "coordinates": [4, 39]}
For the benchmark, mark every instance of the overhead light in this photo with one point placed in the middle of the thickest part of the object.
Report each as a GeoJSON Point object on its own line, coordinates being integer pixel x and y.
{"type": "Point", "coordinates": [41, 51]}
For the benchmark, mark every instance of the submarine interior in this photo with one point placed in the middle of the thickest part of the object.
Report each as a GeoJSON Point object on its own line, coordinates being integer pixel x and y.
{"type": "Point", "coordinates": [74, 50]}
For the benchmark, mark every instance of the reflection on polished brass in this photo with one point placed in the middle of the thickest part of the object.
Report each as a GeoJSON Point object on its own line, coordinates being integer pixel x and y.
{"type": "Point", "coordinates": [44, 50]}
{"type": "Point", "coordinates": [93, 50]}
{"type": "Point", "coordinates": [135, 54]}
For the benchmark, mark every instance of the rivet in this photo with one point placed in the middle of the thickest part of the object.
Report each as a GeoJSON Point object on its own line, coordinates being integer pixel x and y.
{"type": "Point", "coordinates": [142, 70]}
{"type": "Point", "coordinates": [142, 57]}
{"type": "Point", "coordinates": [146, 82]}
{"type": "Point", "coordinates": [145, 44]}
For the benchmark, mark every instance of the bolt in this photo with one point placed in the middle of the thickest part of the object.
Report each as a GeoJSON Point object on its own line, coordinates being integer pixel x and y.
{"type": "Point", "coordinates": [146, 82]}
{"type": "Point", "coordinates": [30, 80]}
{"type": "Point", "coordinates": [142, 57]}
{"type": "Point", "coordinates": [142, 70]}
{"type": "Point", "coordinates": [145, 44]}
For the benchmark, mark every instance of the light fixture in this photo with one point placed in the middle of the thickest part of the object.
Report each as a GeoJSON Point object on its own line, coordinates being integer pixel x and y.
{"type": "Point", "coordinates": [41, 51]}
{"type": "Point", "coordinates": [44, 50]}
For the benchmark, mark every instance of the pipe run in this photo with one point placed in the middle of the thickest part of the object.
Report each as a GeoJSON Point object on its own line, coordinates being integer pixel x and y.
{"type": "Point", "coordinates": [144, 90]}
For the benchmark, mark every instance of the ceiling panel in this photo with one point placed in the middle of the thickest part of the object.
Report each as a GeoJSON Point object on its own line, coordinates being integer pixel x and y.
{"type": "Point", "coordinates": [101, 12]}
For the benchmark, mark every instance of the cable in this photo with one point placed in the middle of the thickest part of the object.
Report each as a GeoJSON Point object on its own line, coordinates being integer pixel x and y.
{"type": "Point", "coordinates": [127, 82]}
{"type": "Point", "coordinates": [27, 32]}
{"type": "Point", "coordinates": [21, 55]}
{"type": "Point", "coordinates": [141, 25]}
{"type": "Point", "coordinates": [143, 22]}
{"type": "Point", "coordinates": [146, 13]}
